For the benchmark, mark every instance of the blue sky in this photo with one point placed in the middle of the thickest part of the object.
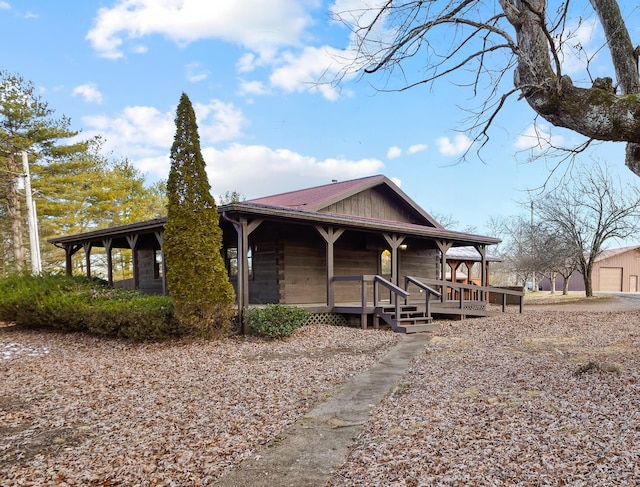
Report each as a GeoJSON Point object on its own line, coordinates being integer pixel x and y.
{"type": "Point", "coordinates": [117, 68]}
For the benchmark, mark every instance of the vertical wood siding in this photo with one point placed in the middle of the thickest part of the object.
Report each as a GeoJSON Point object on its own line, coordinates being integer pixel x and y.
{"type": "Point", "coordinates": [372, 203]}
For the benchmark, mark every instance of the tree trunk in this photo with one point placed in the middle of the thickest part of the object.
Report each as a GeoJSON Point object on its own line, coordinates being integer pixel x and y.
{"type": "Point", "coordinates": [565, 286]}
{"type": "Point", "coordinates": [15, 213]}
{"type": "Point", "coordinates": [552, 279]}
{"type": "Point", "coordinates": [588, 284]}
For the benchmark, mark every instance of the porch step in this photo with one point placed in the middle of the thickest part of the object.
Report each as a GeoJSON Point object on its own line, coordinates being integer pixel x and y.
{"type": "Point", "coordinates": [408, 320]}
{"type": "Point", "coordinates": [416, 328]}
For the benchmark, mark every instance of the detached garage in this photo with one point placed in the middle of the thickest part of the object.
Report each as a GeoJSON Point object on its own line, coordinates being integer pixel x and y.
{"type": "Point", "coordinates": [615, 270]}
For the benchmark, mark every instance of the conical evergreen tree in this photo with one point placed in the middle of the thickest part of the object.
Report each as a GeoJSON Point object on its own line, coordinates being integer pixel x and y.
{"type": "Point", "coordinates": [196, 275]}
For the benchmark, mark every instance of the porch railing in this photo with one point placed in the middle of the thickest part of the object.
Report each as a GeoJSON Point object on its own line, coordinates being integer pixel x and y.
{"type": "Point", "coordinates": [428, 291]}
{"type": "Point", "coordinates": [467, 294]}
{"type": "Point", "coordinates": [397, 293]}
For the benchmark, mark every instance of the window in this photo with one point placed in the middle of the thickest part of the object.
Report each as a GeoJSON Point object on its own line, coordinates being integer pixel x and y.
{"type": "Point", "coordinates": [232, 261]}
{"type": "Point", "coordinates": [157, 264]}
{"type": "Point", "coordinates": [385, 263]}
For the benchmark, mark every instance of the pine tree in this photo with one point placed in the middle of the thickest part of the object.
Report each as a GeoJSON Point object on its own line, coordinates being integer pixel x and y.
{"type": "Point", "coordinates": [26, 124]}
{"type": "Point", "coordinates": [86, 191]}
{"type": "Point", "coordinates": [196, 275]}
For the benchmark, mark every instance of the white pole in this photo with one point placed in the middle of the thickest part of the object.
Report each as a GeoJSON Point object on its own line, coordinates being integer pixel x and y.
{"type": "Point", "coordinates": [34, 246]}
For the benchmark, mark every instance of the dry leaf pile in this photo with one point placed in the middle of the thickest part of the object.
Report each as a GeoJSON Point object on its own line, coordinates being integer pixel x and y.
{"type": "Point", "coordinates": [543, 398]}
{"type": "Point", "coordinates": [78, 410]}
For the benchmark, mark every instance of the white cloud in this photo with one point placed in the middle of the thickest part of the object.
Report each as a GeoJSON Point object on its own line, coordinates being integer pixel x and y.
{"type": "Point", "coordinates": [89, 92]}
{"type": "Point", "coordinates": [257, 170]}
{"type": "Point", "coordinates": [195, 73]}
{"type": "Point", "coordinates": [303, 71]}
{"type": "Point", "coordinates": [394, 152]}
{"type": "Point", "coordinates": [455, 147]}
{"type": "Point", "coordinates": [414, 149]}
{"type": "Point", "coordinates": [5, 5]}
{"type": "Point", "coordinates": [145, 134]}
{"type": "Point", "coordinates": [218, 121]}
{"type": "Point", "coordinates": [253, 88]}
{"type": "Point", "coordinates": [254, 24]}
{"type": "Point", "coordinates": [139, 49]}
{"type": "Point", "coordinates": [538, 137]}
{"type": "Point", "coordinates": [580, 42]}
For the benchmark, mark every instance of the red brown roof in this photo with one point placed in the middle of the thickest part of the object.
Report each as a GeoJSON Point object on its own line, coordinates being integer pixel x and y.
{"type": "Point", "coordinates": [318, 197]}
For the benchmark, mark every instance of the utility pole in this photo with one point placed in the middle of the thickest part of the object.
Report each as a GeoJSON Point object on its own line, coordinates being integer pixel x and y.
{"type": "Point", "coordinates": [34, 240]}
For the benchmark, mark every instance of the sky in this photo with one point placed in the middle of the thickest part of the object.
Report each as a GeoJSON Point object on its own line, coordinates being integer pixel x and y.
{"type": "Point", "coordinates": [258, 74]}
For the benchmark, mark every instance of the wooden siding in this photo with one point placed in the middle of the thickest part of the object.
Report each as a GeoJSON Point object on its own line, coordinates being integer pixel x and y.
{"type": "Point", "coordinates": [147, 282]}
{"type": "Point", "coordinates": [372, 203]}
{"type": "Point", "coordinates": [303, 273]}
{"type": "Point", "coordinates": [418, 263]}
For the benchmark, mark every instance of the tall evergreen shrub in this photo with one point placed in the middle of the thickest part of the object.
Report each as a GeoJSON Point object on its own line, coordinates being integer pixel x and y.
{"type": "Point", "coordinates": [196, 275]}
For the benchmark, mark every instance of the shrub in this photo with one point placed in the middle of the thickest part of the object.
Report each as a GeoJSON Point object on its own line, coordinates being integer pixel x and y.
{"type": "Point", "coordinates": [275, 320]}
{"type": "Point", "coordinates": [66, 303]}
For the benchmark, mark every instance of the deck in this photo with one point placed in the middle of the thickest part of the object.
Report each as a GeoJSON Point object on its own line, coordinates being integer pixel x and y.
{"type": "Point", "coordinates": [411, 309]}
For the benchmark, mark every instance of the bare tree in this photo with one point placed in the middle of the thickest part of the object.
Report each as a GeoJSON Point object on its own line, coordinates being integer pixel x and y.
{"type": "Point", "coordinates": [589, 213]}
{"type": "Point", "coordinates": [492, 39]}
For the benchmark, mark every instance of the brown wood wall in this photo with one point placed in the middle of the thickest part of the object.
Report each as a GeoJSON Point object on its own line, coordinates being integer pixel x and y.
{"type": "Point", "coordinates": [146, 281]}
{"type": "Point", "coordinates": [372, 204]}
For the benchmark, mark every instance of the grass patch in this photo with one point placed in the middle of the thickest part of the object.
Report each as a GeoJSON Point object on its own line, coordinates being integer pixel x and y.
{"type": "Point", "coordinates": [545, 297]}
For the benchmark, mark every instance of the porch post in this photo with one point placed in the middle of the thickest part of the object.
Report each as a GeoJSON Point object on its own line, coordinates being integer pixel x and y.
{"type": "Point", "coordinates": [394, 242]}
{"type": "Point", "coordinates": [87, 257]}
{"type": "Point", "coordinates": [159, 236]}
{"type": "Point", "coordinates": [330, 236]}
{"type": "Point", "coordinates": [243, 229]}
{"type": "Point", "coordinates": [443, 246]}
{"type": "Point", "coordinates": [482, 250]}
{"type": "Point", "coordinates": [133, 242]}
{"type": "Point", "coordinates": [69, 250]}
{"type": "Point", "coordinates": [108, 242]}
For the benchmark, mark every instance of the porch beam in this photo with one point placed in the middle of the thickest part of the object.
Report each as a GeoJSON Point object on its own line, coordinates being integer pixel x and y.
{"type": "Point", "coordinates": [87, 258]}
{"type": "Point", "coordinates": [69, 251]}
{"type": "Point", "coordinates": [394, 242]}
{"type": "Point", "coordinates": [244, 228]}
{"type": "Point", "coordinates": [160, 238]}
{"type": "Point", "coordinates": [443, 246]}
{"type": "Point", "coordinates": [330, 236]}
{"type": "Point", "coordinates": [108, 243]}
{"type": "Point", "coordinates": [482, 250]}
{"type": "Point", "coordinates": [133, 242]}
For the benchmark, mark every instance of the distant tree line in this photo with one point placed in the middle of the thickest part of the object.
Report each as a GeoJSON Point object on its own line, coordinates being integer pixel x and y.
{"type": "Point", "coordinates": [75, 187]}
{"type": "Point", "coordinates": [568, 226]}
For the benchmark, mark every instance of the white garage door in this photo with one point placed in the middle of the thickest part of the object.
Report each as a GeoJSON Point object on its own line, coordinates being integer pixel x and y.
{"type": "Point", "coordinates": [611, 279]}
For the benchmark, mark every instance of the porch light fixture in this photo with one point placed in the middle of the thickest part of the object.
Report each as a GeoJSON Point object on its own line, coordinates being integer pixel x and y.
{"type": "Point", "coordinates": [403, 247]}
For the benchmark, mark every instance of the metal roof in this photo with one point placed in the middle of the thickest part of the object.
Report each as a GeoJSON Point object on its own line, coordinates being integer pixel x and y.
{"type": "Point", "coordinates": [470, 254]}
{"type": "Point", "coordinates": [302, 207]}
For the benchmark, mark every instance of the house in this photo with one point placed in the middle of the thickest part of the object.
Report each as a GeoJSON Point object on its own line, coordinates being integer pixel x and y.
{"type": "Point", "coordinates": [614, 270]}
{"type": "Point", "coordinates": [350, 247]}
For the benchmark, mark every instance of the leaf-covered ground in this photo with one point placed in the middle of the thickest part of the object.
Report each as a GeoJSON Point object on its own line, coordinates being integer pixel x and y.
{"type": "Point", "coordinates": [77, 410]}
{"type": "Point", "coordinates": [543, 398]}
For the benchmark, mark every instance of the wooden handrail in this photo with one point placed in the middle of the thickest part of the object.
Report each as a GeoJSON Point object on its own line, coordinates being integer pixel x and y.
{"type": "Point", "coordinates": [412, 280]}
{"type": "Point", "coordinates": [398, 292]}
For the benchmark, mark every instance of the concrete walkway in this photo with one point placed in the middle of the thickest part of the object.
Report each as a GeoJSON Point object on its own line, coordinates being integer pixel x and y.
{"type": "Point", "coordinates": [305, 454]}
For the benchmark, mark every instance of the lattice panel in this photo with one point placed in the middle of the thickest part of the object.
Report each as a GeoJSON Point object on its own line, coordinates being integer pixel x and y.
{"type": "Point", "coordinates": [326, 319]}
